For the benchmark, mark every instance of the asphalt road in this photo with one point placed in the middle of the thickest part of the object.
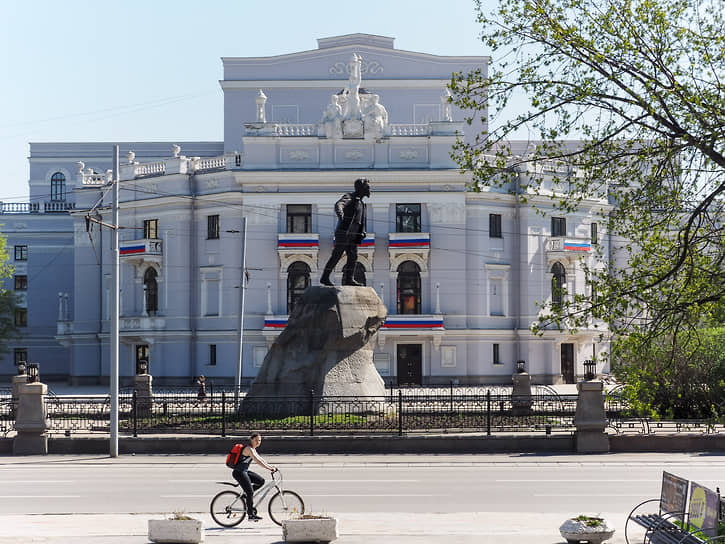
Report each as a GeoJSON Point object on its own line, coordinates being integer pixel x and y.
{"type": "Point", "coordinates": [356, 484]}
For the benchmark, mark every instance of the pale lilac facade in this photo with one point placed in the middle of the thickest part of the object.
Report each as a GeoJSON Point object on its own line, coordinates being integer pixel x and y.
{"type": "Point", "coordinates": [460, 272]}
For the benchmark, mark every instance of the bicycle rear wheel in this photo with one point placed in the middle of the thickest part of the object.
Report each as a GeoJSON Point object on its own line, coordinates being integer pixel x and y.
{"type": "Point", "coordinates": [285, 505]}
{"type": "Point", "coordinates": [228, 509]}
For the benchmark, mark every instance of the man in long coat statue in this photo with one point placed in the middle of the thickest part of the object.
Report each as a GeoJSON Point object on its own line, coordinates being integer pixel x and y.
{"type": "Point", "coordinates": [350, 232]}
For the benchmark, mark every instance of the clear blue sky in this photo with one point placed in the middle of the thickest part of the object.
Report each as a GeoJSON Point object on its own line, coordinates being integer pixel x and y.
{"type": "Point", "coordinates": [96, 70]}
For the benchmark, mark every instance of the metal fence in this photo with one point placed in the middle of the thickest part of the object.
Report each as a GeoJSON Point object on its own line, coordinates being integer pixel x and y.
{"type": "Point", "coordinates": [225, 411]}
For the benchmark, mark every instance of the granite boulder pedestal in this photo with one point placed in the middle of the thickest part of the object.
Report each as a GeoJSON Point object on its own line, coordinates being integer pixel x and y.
{"type": "Point", "coordinates": [326, 347]}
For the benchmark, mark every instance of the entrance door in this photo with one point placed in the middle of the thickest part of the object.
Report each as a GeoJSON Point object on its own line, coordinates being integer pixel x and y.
{"type": "Point", "coordinates": [567, 362]}
{"type": "Point", "coordinates": [410, 364]}
{"type": "Point", "coordinates": [142, 354]}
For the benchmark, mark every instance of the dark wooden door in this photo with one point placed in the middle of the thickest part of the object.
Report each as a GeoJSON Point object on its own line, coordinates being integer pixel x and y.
{"type": "Point", "coordinates": [410, 364]}
{"type": "Point", "coordinates": [567, 363]}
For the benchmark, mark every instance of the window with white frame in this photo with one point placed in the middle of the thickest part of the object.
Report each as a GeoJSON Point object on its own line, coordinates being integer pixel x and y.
{"type": "Point", "coordinates": [259, 353]}
{"type": "Point", "coordinates": [382, 363]}
{"type": "Point", "coordinates": [448, 356]}
{"type": "Point", "coordinates": [496, 354]}
{"type": "Point", "coordinates": [211, 292]}
{"type": "Point", "coordinates": [494, 225]}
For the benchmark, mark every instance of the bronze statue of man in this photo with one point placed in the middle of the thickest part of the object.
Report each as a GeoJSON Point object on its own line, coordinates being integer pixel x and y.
{"type": "Point", "coordinates": [350, 232]}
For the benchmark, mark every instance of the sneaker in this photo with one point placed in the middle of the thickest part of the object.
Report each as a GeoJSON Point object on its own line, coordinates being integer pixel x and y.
{"type": "Point", "coordinates": [254, 517]}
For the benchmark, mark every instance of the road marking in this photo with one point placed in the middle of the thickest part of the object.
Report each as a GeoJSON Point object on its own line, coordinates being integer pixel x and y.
{"type": "Point", "coordinates": [604, 480]}
{"type": "Point", "coordinates": [40, 496]}
{"type": "Point", "coordinates": [376, 495]}
{"type": "Point", "coordinates": [38, 481]}
{"type": "Point", "coordinates": [184, 496]}
{"type": "Point", "coordinates": [597, 494]}
{"type": "Point", "coordinates": [358, 481]}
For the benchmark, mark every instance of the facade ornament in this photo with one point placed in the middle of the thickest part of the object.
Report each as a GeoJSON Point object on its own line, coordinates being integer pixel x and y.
{"type": "Point", "coordinates": [269, 298]}
{"type": "Point", "coordinates": [80, 165]}
{"type": "Point", "coordinates": [376, 118]}
{"type": "Point", "coordinates": [332, 119]}
{"type": "Point", "coordinates": [175, 150]}
{"type": "Point", "coordinates": [352, 106]}
{"type": "Point", "coordinates": [438, 298]}
{"type": "Point", "coordinates": [261, 100]}
{"type": "Point", "coordinates": [446, 103]}
{"type": "Point", "coordinates": [130, 156]}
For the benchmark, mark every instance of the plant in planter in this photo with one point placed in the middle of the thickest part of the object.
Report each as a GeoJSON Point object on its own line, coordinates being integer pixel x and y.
{"type": "Point", "coordinates": [310, 528]}
{"type": "Point", "coordinates": [583, 528]}
{"type": "Point", "coordinates": [179, 528]}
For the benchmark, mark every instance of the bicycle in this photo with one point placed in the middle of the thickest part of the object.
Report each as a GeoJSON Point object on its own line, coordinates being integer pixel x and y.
{"type": "Point", "coordinates": [229, 508]}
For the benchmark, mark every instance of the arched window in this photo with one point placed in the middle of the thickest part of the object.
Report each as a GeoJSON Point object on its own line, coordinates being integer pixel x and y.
{"type": "Point", "coordinates": [358, 275]}
{"type": "Point", "coordinates": [151, 291]}
{"type": "Point", "coordinates": [558, 280]}
{"type": "Point", "coordinates": [408, 288]}
{"type": "Point", "coordinates": [298, 279]}
{"type": "Point", "coordinates": [57, 187]}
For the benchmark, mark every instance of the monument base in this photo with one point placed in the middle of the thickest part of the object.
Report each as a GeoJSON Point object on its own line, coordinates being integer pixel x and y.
{"type": "Point", "coordinates": [30, 443]}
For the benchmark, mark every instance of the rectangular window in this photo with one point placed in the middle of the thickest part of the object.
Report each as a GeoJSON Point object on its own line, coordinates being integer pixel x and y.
{"type": "Point", "coordinates": [21, 317]}
{"type": "Point", "coordinates": [21, 282]}
{"type": "Point", "coordinates": [494, 225]}
{"type": "Point", "coordinates": [151, 229]}
{"type": "Point", "coordinates": [594, 233]}
{"type": "Point", "coordinates": [21, 253]}
{"type": "Point", "coordinates": [20, 355]}
{"type": "Point", "coordinates": [260, 352]}
{"type": "Point", "coordinates": [212, 227]}
{"type": "Point", "coordinates": [299, 217]}
{"type": "Point", "coordinates": [496, 354]}
{"type": "Point", "coordinates": [495, 297]}
{"type": "Point", "coordinates": [558, 226]}
{"type": "Point", "coordinates": [448, 356]}
{"type": "Point", "coordinates": [212, 354]}
{"type": "Point", "coordinates": [407, 218]}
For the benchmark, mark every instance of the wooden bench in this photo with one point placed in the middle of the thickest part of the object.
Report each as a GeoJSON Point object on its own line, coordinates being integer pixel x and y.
{"type": "Point", "coordinates": [677, 521]}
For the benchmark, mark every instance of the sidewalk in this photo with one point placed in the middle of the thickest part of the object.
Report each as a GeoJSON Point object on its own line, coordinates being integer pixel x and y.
{"type": "Point", "coordinates": [368, 528]}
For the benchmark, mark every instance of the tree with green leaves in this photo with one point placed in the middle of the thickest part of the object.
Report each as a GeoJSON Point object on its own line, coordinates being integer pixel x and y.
{"type": "Point", "coordinates": [7, 299]}
{"type": "Point", "coordinates": [629, 97]}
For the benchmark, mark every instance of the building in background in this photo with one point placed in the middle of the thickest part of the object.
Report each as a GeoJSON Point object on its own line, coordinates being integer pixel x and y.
{"type": "Point", "coordinates": [462, 273]}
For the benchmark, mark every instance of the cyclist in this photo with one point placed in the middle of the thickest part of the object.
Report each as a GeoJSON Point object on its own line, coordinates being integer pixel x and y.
{"type": "Point", "coordinates": [251, 481]}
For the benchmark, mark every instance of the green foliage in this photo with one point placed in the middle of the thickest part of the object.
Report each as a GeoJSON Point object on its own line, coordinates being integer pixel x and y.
{"type": "Point", "coordinates": [680, 376]}
{"type": "Point", "coordinates": [626, 121]}
{"type": "Point", "coordinates": [7, 299]}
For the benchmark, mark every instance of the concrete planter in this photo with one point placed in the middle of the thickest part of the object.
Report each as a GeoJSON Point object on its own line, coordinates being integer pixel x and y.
{"type": "Point", "coordinates": [181, 531]}
{"type": "Point", "coordinates": [575, 530]}
{"type": "Point", "coordinates": [310, 529]}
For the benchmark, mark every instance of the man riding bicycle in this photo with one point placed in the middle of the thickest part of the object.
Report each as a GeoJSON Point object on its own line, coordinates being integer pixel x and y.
{"type": "Point", "coordinates": [249, 480]}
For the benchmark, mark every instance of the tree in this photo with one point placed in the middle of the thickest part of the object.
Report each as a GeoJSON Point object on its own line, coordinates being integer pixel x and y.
{"type": "Point", "coordinates": [629, 96]}
{"type": "Point", "coordinates": [7, 300]}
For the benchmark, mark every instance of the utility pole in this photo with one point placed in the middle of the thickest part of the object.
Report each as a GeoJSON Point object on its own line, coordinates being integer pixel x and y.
{"type": "Point", "coordinates": [114, 329]}
{"type": "Point", "coordinates": [243, 287]}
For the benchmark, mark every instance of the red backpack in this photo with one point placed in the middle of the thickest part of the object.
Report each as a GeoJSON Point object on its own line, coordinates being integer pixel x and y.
{"type": "Point", "coordinates": [233, 455]}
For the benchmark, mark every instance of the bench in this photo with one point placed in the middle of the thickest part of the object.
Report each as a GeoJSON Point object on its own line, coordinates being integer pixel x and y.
{"type": "Point", "coordinates": [677, 521]}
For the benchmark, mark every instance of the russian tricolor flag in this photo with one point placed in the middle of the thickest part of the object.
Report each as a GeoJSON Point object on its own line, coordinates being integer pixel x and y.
{"type": "Point", "coordinates": [130, 250]}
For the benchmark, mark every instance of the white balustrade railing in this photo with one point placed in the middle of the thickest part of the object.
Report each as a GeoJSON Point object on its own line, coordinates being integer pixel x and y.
{"type": "Point", "coordinates": [58, 206]}
{"type": "Point", "coordinates": [212, 163]}
{"type": "Point", "coordinates": [96, 179]}
{"type": "Point", "coordinates": [150, 168]}
{"type": "Point", "coordinates": [297, 129]}
{"type": "Point", "coordinates": [409, 129]}
{"type": "Point", "coordinates": [19, 207]}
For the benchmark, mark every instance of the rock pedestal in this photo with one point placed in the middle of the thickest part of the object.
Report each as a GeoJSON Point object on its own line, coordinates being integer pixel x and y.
{"type": "Point", "coordinates": [590, 419]}
{"type": "Point", "coordinates": [144, 394]}
{"type": "Point", "coordinates": [521, 394]}
{"type": "Point", "coordinates": [31, 422]}
{"type": "Point", "coordinates": [327, 346]}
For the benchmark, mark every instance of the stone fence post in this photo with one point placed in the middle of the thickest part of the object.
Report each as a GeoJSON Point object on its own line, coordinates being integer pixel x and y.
{"type": "Point", "coordinates": [591, 419]}
{"type": "Point", "coordinates": [31, 420]}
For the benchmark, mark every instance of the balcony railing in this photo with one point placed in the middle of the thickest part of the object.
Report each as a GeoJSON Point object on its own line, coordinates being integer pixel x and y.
{"type": "Point", "coordinates": [147, 249]}
{"type": "Point", "coordinates": [53, 206]}
{"type": "Point", "coordinates": [562, 244]}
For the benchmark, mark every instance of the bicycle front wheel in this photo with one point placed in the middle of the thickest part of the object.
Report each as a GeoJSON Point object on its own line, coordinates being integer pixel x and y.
{"type": "Point", "coordinates": [285, 505]}
{"type": "Point", "coordinates": [228, 509]}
